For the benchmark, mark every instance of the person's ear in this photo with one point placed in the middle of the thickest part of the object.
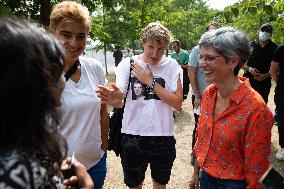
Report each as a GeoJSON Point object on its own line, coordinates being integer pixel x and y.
{"type": "Point", "coordinates": [234, 62]}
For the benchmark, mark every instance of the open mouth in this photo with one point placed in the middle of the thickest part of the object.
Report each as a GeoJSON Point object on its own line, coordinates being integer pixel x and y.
{"type": "Point", "coordinates": [207, 71]}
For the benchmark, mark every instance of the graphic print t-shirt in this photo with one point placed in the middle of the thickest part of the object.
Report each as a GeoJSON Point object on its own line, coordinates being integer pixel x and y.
{"type": "Point", "coordinates": [145, 114]}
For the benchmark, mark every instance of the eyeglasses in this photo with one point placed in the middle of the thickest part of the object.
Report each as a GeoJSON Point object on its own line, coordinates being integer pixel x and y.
{"type": "Point", "coordinates": [207, 59]}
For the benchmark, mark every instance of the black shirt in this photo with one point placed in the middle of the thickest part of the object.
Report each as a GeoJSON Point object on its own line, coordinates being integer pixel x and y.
{"type": "Point", "coordinates": [279, 57]}
{"type": "Point", "coordinates": [117, 55]}
{"type": "Point", "coordinates": [261, 58]}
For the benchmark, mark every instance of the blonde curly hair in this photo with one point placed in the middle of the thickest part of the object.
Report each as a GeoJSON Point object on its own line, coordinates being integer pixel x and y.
{"type": "Point", "coordinates": [69, 10]}
{"type": "Point", "coordinates": [156, 31]}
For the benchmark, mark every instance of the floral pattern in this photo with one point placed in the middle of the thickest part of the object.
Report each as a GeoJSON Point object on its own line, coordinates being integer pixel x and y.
{"type": "Point", "coordinates": [238, 144]}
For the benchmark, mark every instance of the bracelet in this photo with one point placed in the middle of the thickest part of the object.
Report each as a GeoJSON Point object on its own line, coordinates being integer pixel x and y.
{"type": "Point", "coordinates": [250, 70]}
{"type": "Point", "coordinates": [153, 84]}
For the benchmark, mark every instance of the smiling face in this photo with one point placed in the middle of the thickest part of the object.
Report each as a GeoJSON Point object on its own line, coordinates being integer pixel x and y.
{"type": "Point", "coordinates": [73, 37]}
{"type": "Point", "coordinates": [153, 51]}
{"type": "Point", "coordinates": [215, 68]}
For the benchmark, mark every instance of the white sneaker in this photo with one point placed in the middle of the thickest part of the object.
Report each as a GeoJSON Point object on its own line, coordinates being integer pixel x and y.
{"type": "Point", "coordinates": [280, 154]}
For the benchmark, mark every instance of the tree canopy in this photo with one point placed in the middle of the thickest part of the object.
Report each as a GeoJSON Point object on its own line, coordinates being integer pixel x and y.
{"type": "Point", "coordinates": [118, 22]}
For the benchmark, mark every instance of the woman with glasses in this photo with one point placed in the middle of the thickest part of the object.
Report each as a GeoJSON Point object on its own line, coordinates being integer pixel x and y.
{"type": "Point", "coordinates": [234, 128]}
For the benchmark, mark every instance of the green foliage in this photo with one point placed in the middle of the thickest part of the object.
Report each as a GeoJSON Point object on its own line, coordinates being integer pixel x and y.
{"type": "Point", "coordinates": [268, 9]}
{"type": "Point", "coordinates": [252, 14]}
{"type": "Point", "coordinates": [118, 22]}
{"type": "Point", "coordinates": [235, 11]}
{"type": "Point", "coordinates": [5, 11]}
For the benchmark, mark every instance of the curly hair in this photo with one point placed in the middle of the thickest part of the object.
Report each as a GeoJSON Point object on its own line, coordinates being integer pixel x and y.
{"type": "Point", "coordinates": [156, 31]}
{"type": "Point", "coordinates": [69, 10]}
{"type": "Point", "coordinates": [32, 66]}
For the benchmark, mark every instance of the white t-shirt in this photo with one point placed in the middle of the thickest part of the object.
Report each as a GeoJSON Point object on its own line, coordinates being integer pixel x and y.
{"type": "Point", "coordinates": [80, 109]}
{"type": "Point", "coordinates": [148, 116]}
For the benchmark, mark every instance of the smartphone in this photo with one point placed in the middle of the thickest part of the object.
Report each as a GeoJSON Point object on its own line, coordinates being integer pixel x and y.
{"type": "Point", "coordinates": [271, 179]}
{"type": "Point", "coordinates": [67, 173]}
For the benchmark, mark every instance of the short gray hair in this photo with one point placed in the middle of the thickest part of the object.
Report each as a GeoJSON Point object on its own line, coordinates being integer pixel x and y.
{"type": "Point", "coordinates": [228, 42]}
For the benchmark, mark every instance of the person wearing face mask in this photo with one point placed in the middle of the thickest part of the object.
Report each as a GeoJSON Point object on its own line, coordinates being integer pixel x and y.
{"type": "Point", "coordinates": [258, 65]}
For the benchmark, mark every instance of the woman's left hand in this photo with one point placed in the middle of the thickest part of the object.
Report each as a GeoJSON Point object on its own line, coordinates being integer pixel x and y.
{"type": "Point", "coordinates": [80, 177]}
{"type": "Point", "coordinates": [143, 75]}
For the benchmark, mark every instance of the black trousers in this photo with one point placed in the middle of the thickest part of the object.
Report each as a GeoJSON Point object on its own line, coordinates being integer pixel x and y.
{"type": "Point", "coordinates": [195, 124]}
{"type": "Point", "coordinates": [279, 102]}
{"type": "Point", "coordinates": [185, 83]}
{"type": "Point", "coordinates": [262, 87]}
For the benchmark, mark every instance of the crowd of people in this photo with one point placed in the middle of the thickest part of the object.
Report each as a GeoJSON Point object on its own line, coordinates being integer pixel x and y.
{"type": "Point", "coordinates": [56, 100]}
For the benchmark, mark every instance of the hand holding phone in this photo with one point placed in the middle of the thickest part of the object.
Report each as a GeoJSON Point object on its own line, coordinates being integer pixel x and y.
{"type": "Point", "coordinates": [75, 174]}
{"type": "Point", "coordinates": [69, 172]}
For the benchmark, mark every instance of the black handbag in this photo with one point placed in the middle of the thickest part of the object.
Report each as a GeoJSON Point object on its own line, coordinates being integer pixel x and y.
{"type": "Point", "coordinates": [115, 124]}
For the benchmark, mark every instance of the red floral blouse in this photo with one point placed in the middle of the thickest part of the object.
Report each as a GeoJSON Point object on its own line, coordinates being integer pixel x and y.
{"type": "Point", "coordinates": [237, 145]}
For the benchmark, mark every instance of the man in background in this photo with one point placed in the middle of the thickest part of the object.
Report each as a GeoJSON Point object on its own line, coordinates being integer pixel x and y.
{"type": "Point", "coordinates": [181, 56]}
{"type": "Point", "coordinates": [196, 76]}
{"type": "Point", "coordinates": [258, 65]}
{"type": "Point", "coordinates": [277, 74]}
{"type": "Point", "coordinates": [117, 54]}
{"type": "Point", "coordinates": [129, 53]}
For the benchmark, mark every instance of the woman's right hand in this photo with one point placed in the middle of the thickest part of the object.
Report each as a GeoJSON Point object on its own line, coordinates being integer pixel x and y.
{"type": "Point", "coordinates": [197, 102]}
{"type": "Point", "coordinates": [194, 181]}
{"type": "Point", "coordinates": [109, 96]}
{"type": "Point", "coordinates": [81, 177]}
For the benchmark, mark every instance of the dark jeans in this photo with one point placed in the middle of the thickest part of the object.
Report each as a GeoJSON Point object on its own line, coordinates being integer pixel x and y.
{"type": "Point", "coordinates": [279, 102]}
{"type": "Point", "coordinates": [195, 124]}
{"type": "Point", "coordinates": [98, 173]}
{"type": "Point", "coordinates": [209, 182]}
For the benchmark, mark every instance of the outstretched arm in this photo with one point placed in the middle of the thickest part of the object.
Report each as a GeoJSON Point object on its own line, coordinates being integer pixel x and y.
{"type": "Point", "coordinates": [111, 96]}
{"type": "Point", "coordinates": [104, 127]}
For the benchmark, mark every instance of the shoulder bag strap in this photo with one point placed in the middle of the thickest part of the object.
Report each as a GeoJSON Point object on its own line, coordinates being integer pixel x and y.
{"type": "Point", "coordinates": [130, 69]}
{"type": "Point", "coordinates": [71, 70]}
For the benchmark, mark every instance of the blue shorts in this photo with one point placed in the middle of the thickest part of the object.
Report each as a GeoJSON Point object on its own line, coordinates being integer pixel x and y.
{"type": "Point", "coordinates": [98, 173]}
{"type": "Point", "coordinates": [209, 182]}
{"type": "Point", "coordinates": [139, 151]}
